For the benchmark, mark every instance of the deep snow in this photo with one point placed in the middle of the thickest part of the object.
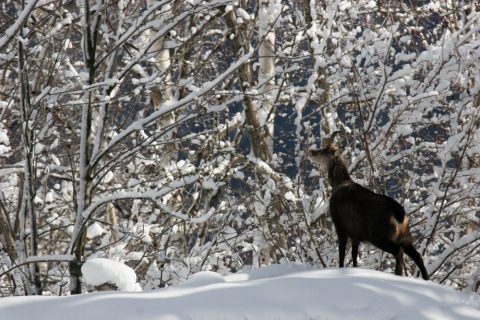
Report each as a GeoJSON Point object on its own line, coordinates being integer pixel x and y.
{"type": "Point", "coordinates": [275, 292]}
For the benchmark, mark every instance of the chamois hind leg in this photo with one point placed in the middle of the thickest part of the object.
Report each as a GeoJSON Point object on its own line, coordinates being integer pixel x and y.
{"type": "Point", "coordinates": [417, 258]}
{"type": "Point", "coordinates": [355, 245]}
{"type": "Point", "coordinates": [391, 247]}
{"type": "Point", "coordinates": [399, 262]}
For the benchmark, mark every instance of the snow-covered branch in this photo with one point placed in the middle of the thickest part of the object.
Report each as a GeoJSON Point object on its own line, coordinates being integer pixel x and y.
{"type": "Point", "coordinates": [144, 122]}
{"type": "Point", "coordinates": [12, 31]}
{"type": "Point", "coordinates": [153, 195]}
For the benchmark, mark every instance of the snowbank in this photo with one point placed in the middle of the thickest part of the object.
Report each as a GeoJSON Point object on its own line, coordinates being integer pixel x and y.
{"type": "Point", "coordinates": [277, 292]}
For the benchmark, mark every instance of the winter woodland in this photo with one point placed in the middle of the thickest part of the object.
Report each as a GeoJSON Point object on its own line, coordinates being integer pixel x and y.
{"type": "Point", "coordinates": [171, 135]}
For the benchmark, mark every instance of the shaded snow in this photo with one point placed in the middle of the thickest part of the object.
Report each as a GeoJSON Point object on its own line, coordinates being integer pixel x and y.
{"type": "Point", "coordinates": [276, 292]}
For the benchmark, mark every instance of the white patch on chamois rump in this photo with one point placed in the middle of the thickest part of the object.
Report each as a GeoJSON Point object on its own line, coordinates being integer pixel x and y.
{"type": "Point", "coordinates": [401, 228]}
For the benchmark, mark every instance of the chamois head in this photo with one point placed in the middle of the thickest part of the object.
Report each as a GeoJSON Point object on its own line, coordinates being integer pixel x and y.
{"type": "Point", "coordinates": [322, 156]}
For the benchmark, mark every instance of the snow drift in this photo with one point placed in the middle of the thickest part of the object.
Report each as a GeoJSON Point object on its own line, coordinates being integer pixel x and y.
{"type": "Point", "coordinates": [275, 292]}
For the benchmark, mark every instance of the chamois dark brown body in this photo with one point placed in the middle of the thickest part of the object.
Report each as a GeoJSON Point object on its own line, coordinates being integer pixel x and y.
{"type": "Point", "coordinates": [357, 212]}
{"type": "Point", "coordinates": [360, 215]}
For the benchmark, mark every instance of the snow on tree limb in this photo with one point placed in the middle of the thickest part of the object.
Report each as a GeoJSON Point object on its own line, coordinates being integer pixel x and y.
{"type": "Point", "coordinates": [12, 31]}
{"type": "Point", "coordinates": [142, 123]}
{"type": "Point", "coordinates": [153, 195]}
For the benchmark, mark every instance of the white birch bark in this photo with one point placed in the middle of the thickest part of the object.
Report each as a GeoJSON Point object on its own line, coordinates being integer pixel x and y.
{"type": "Point", "coordinates": [162, 93]}
{"type": "Point", "coordinates": [268, 14]}
{"type": "Point", "coordinates": [112, 219]}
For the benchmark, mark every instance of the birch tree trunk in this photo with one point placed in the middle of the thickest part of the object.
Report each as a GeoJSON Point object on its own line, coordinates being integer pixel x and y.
{"type": "Point", "coordinates": [259, 115]}
{"type": "Point", "coordinates": [162, 94]}
{"type": "Point", "coordinates": [268, 13]}
{"type": "Point", "coordinates": [240, 44]}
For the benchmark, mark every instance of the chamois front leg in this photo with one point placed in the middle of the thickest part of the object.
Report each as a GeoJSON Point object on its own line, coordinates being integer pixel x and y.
{"type": "Point", "coordinates": [342, 246]}
{"type": "Point", "coordinates": [355, 245]}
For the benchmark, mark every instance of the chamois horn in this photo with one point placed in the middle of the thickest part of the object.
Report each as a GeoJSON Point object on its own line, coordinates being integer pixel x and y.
{"type": "Point", "coordinates": [330, 139]}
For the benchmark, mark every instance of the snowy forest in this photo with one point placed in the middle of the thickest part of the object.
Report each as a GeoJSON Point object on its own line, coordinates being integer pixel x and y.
{"type": "Point", "coordinates": [173, 135]}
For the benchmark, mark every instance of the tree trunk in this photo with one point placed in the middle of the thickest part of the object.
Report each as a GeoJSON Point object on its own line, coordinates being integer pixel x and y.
{"type": "Point", "coordinates": [28, 117]}
{"type": "Point", "coordinates": [259, 118]}
{"type": "Point", "coordinates": [240, 44]}
{"type": "Point", "coordinates": [266, 75]}
{"type": "Point", "coordinates": [84, 190]}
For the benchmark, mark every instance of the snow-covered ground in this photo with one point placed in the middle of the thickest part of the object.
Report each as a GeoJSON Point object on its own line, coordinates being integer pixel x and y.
{"type": "Point", "coordinates": [275, 292]}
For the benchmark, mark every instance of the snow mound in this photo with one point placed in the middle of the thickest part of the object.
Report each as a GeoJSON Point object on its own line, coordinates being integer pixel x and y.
{"type": "Point", "coordinates": [203, 278]}
{"type": "Point", "coordinates": [272, 271]}
{"type": "Point", "coordinates": [98, 271]}
{"type": "Point", "coordinates": [279, 292]}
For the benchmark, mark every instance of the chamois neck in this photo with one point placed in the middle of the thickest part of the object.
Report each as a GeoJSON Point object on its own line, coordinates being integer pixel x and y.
{"type": "Point", "coordinates": [337, 172]}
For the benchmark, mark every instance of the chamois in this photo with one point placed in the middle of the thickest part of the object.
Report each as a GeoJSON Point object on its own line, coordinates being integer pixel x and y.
{"type": "Point", "coordinates": [360, 215]}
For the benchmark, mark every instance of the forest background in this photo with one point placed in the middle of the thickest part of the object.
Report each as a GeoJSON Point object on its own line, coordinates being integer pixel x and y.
{"type": "Point", "coordinates": [171, 135]}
